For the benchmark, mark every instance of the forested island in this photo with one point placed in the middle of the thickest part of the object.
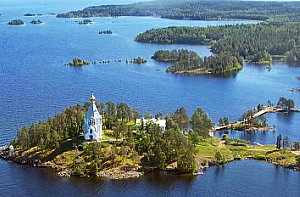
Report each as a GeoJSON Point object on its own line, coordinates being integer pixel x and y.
{"type": "Point", "coordinates": [130, 150]}
{"type": "Point", "coordinates": [36, 22]}
{"type": "Point", "coordinates": [16, 22]}
{"type": "Point", "coordinates": [105, 32]}
{"type": "Point", "coordinates": [190, 62]}
{"type": "Point", "coordinates": [196, 10]}
{"type": "Point", "coordinates": [78, 62]}
{"type": "Point", "coordinates": [32, 14]}
{"type": "Point", "coordinates": [255, 43]}
{"type": "Point", "coordinates": [138, 60]}
{"type": "Point", "coordinates": [85, 22]}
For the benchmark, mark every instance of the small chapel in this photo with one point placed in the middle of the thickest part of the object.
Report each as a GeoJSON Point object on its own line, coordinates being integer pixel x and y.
{"type": "Point", "coordinates": [92, 122]}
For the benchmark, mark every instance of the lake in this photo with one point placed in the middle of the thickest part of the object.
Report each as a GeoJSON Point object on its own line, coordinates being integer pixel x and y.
{"type": "Point", "coordinates": [35, 84]}
{"type": "Point", "coordinates": [241, 178]}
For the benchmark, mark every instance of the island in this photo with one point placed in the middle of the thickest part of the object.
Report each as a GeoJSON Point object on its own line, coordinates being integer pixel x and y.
{"type": "Point", "coordinates": [16, 22]}
{"type": "Point", "coordinates": [186, 61]}
{"type": "Point", "coordinates": [105, 32]}
{"type": "Point", "coordinates": [85, 22]}
{"type": "Point", "coordinates": [130, 146]}
{"type": "Point", "coordinates": [78, 62]}
{"type": "Point", "coordinates": [32, 14]}
{"type": "Point", "coordinates": [36, 22]}
{"type": "Point", "coordinates": [138, 60]}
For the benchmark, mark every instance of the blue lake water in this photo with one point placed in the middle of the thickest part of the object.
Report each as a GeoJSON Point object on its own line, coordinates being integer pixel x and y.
{"type": "Point", "coordinates": [242, 178]}
{"type": "Point", "coordinates": [35, 84]}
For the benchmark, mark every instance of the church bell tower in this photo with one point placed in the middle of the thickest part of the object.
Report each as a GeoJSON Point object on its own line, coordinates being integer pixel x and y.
{"type": "Point", "coordinates": [92, 122]}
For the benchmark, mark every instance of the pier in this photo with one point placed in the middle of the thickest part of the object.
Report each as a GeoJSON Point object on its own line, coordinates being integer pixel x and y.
{"type": "Point", "coordinates": [263, 111]}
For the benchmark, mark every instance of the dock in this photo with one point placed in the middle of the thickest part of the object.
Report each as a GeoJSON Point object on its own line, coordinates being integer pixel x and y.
{"type": "Point", "coordinates": [262, 112]}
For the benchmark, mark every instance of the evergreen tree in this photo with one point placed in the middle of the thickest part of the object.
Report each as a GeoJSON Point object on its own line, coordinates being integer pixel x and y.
{"type": "Point", "coordinates": [181, 118]}
{"type": "Point", "coordinates": [187, 163]}
{"type": "Point", "coordinates": [201, 122]}
{"type": "Point", "coordinates": [278, 143]}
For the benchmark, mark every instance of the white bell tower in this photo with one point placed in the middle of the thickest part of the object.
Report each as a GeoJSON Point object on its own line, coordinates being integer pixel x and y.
{"type": "Point", "coordinates": [92, 122]}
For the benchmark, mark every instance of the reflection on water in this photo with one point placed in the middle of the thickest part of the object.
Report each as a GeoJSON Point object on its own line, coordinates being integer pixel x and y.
{"type": "Point", "coordinates": [285, 124]}
{"type": "Point", "coordinates": [241, 178]}
{"type": "Point", "coordinates": [35, 84]}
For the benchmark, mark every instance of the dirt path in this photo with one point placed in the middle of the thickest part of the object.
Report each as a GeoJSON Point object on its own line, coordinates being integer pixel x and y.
{"type": "Point", "coordinates": [296, 152]}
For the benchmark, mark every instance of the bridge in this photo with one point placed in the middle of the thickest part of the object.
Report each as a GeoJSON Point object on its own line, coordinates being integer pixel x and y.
{"type": "Point", "coordinates": [263, 111]}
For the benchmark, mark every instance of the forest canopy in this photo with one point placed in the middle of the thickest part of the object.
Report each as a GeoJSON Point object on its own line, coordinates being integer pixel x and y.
{"type": "Point", "coordinates": [186, 61]}
{"type": "Point", "coordinates": [146, 144]}
{"type": "Point", "coordinates": [255, 43]}
{"type": "Point", "coordinates": [196, 10]}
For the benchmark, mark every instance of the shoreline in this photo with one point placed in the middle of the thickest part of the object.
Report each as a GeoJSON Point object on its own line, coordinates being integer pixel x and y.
{"type": "Point", "coordinates": [62, 171]}
{"type": "Point", "coordinates": [120, 174]}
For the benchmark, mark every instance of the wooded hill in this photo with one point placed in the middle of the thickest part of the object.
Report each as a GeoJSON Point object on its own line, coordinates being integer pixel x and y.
{"type": "Point", "coordinates": [196, 10]}
{"type": "Point", "coordinates": [255, 43]}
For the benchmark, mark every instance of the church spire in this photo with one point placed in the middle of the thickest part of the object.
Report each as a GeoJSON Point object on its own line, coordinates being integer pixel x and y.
{"type": "Point", "coordinates": [92, 99]}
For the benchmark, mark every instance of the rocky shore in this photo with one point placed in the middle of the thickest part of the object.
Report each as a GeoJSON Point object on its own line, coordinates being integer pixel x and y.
{"type": "Point", "coordinates": [125, 173]}
{"type": "Point", "coordinates": [115, 174]}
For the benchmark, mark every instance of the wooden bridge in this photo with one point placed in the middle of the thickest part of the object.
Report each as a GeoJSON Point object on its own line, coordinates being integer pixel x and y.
{"type": "Point", "coordinates": [263, 111]}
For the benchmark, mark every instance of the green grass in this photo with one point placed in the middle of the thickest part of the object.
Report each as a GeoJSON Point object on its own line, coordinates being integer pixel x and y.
{"type": "Point", "coordinates": [206, 150]}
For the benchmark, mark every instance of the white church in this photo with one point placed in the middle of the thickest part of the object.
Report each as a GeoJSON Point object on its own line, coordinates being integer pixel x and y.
{"type": "Point", "coordinates": [92, 122]}
{"type": "Point", "coordinates": [159, 122]}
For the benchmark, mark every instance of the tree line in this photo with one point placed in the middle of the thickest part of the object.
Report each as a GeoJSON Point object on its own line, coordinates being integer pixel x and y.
{"type": "Point", "coordinates": [255, 43]}
{"type": "Point", "coordinates": [285, 103]}
{"type": "Point", "coordinates": [196, 10]}
{"type": "Point", "coordinates": [286, 143]}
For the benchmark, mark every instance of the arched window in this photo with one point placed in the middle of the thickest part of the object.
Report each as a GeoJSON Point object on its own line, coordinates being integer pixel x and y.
{"type": "Point", "coordinates": [91, 121]}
